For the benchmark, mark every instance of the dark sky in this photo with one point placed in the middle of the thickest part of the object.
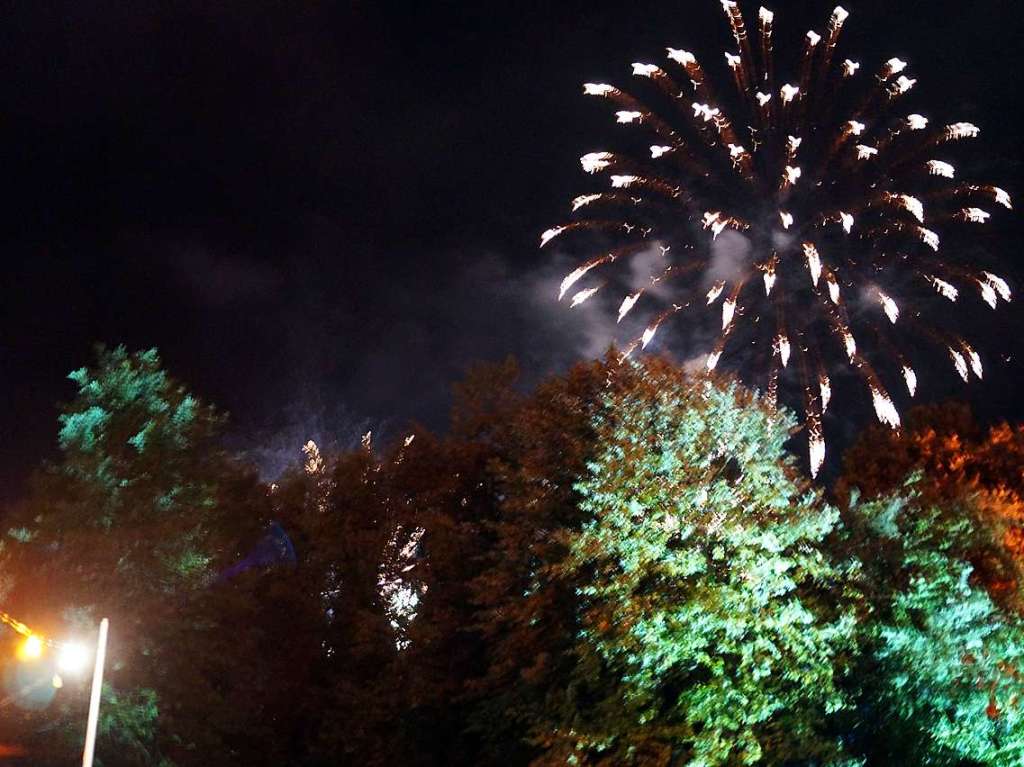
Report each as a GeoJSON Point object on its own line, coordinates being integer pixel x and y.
{"type": "Point", "coordinates": [320, 212]}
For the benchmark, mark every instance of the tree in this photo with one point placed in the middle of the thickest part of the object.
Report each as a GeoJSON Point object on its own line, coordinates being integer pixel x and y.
{"type": "Point", "coordinates": [676, 590]}
{"type": "Point", "coordinates": [942, 666]}
{"type": "Point", "coordinates": [133, 524]}
{"type": "Point", "coordinates": [960, 465]}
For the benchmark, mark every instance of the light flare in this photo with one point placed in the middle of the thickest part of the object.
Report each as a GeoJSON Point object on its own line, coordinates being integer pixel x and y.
{"type": "Point", "coordinates": [910, 379]}
{"type": "Point", "coordinates": [892, 311]}
{"type": "Point", "coordinates": [595, 161]}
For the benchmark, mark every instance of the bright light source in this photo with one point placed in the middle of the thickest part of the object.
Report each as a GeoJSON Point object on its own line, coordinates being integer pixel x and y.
{"type": "Point", "coordinates": [72, 658]}
{"type": "Point", "coordinates": [31, 648]}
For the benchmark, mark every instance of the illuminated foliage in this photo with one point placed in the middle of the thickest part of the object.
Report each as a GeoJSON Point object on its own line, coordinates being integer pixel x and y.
{"type": "Point", "coordinates": [704, 603]}
{"type": "Point", "coordinates": [943, 679]}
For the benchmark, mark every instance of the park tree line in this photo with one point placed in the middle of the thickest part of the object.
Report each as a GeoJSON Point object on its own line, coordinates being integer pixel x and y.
{"type": "Point", "coordinates": [623, 566]}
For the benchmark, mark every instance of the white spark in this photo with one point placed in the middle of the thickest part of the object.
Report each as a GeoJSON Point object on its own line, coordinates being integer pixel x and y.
{"type": "Point", "coordinates": [713, 358]}
{"type": "Point", "coordinates": [816, 452]}
{"type": "Point", "coordinates": [794, 144]}
{"type": "Point", "coordinates": [732, 59]}
{"type": "Point", "coordinates": [833, 289]}
{"type": "Point", "coordinates": [959, 363]}
{"type": "Point", "coordinates": [847, 221]}
{"type": "Point", "coordinates": [975, 215]}
{"type": "Point", "coordinates": [551, 234]}
{"type": "Point", "coordinates": [716, 291]}
{"type": "Point", "coordinates": [839, 15]}
{"type": "Point", "coordinates": [944, 288]}
{"type": "Point", "coordinates": [705, 111]}
{"type": "Point", "coordinates": [1002, 198]}
{"type": "Point", "coordinates": [826, 392]}
{"type": "Point", "coordinates": [929, 238]}
{"type": "Point", "coordinates": [658, 151]}
{"type": "Point", "coordinates": [783, 349]}
{"type": "Point", "coordinates": [714, 221]}
{"type": "Point", "coordinates": [574, 277]}
{"type": "Point", "coordinates": [582, 296]}
{"type": "Point", "coordinates": [813, 262]}
{"type": "Point", "coordinates": [681, 57]}
{"type": "Point", "coordinates": [626, 116]}
{"type": "Point", "coordinates": [409, 439]}
{"type": "Point", "coordinates": [735, 150]}
{"type": "Point", "coordinates": [856, 128]}
{"type": "Point", "coordinates": [763, 98]}
{"type": "Point", "coordinates": [904, 84]}
{"type": "Point", "coordinates": [595, 161]}
{"type": "Point", "coordinates": [648, 335]}
{"type": "Point", "coordinates": [917, 122]}
{"type": "Point", "coordinates": [765, 15]}
{"type": "Point", "coordinates": [892, 311]}
{"type": "Point", "coordinates": [895, 66]}
{"type": "Point", "coordinates": [645, 70]}
{"type": "Point", "coordinates": [623, 182]}
{"type": "Point", "coordinates": [769, 281]}
{"type": "Point", "coordinates": [910, 378]}
{"type": "Point", "coordinates": [962, 130]}
{"type": "Point", "coordinates": [628, 303]}
{"type": "Point", "coordinates": [584, 199]}
{"type": "Point", "coordinates": [940, 168]}
{"type": "Point", "coordinates": [813, 38]}
{"type": "Point", "coordinates": [988, 294]}
{"type": "Point", "coordinates": [864, 151]}
{"type": "Point", "coordinates": [793, 174]}
{"type": "Point", "coordinates": [728, 310]}
{"type": "Point", "coordinates": [850, 343]}
{"type": "Point", "coordinates": [787, 219]}
{"type": "Point", "coordinates": [884, 409]}
{"type": "Point", "coordinates": [975, 360]}
{"type": "Point", "coordinates": [999, 284]}
{"type": "Point", "coordinates": [598, 89]}
{"type": "Point", "coordinates": [850, 67]}
{"type": "Point", "coordinates": [788, 92]}
{"type": "Point", "coordinates": [910, 204]}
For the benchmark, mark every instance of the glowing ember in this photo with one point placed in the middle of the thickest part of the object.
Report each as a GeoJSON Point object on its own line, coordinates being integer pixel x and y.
{"type": "Point", "coordinates": [917, 122]}
{"type": "Point", "coordinates": [884, 409]}
{"type": "Point", "coordinates": [787, 219]}
{"type": "Point", "coordinates": [939, 168]}
{"type": "Point", "coordinates": [626, 116]}
{"type": "Point", "coordinates": [892, 311]}
{"type": "Point", "coordinates": [788, 92]}
{"type": "Point", "coordinates": [595, 161]}
{"type": "Point", "coordinates": [582, 296]}
{"type": "Point", "coordinates": [583, 200]}
{"type": "Point", "coordinates": [959, 363]}
{"type": "Point", "coordinates": [945, 289]}
{"type": "Point", "coordinates": [850, 68]}
{"type": "Point", "coordinates": [645, 70]}
{"type": "Point", "coordinates": [658, 151]}
{"type": "Point", "coordinates": [910, 378]}
{"type": "Point", "coordinates": [728, 310]}
{"type": "Point", "coordinates": [864, 152]}
{"type": "Point", "coordinates": [599, 89]}
{"type": "Point", "coordinates": [962, 130]}
{"type": "Point", "coordinates": [813, 262]}
{"type": "Point", "coordinates": [716, 291]}
{"type": "Point", "coordinates": [847, 221]}
{"type": "Point", "coordinates": [999, 284]}
{"type": "Point", "coordinates": [622, 182]}
{"type": "Point", "coordinates": [551, 234]}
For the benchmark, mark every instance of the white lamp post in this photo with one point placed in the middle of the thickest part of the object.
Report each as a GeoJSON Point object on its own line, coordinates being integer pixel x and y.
{"type": "Point", "coordinates": [94, 699]}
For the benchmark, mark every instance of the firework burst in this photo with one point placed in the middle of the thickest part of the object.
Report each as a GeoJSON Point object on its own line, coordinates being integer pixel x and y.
{"type": "Point", "coordinates": [843, 200]}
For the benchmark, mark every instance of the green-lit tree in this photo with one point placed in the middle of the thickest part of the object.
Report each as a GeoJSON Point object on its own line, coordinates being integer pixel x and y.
{"type": "Point", "coordinates": [133, 522]}
{"type": "Point", "coordinates": [679, 598]}
{"type": "Point", "coordinates": [942, 666]}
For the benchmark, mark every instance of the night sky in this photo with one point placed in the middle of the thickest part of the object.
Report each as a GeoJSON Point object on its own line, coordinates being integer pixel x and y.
{"type": "Point", "coordinates": [321, 212]}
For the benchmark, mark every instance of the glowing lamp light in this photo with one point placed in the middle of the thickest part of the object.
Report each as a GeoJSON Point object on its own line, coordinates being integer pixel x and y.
{"type": "Point", "coordinates": [72, 658]}
{"type": "Point", "coordinates": [31, 648]}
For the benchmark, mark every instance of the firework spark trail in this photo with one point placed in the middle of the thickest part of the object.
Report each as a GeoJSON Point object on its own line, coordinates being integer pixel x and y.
{"type": "Point", "coordinates": [840, 195]}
